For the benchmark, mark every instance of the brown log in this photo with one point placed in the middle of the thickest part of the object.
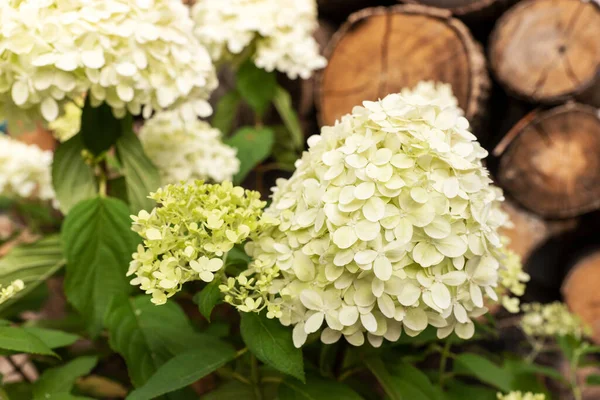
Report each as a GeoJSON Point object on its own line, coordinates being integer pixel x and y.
{"type": "Point", "coordinates": [383, 50]}
{"type": "Point", "coordinates": [467, 8]}
{"type": "Point", "coordinates": [547, 50]}
{"type": "Point", "coordinates": [580, 291]}
{"type": "Point", "coordinates": [550, 161]}
{"type": "Point", "coordinates": [528, 231]}
{"type": "Point", "coordinates": [340, 9]}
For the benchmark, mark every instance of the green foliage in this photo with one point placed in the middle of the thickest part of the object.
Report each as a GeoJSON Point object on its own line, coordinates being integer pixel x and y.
{"type": "Point", "coordinates": [141, 176]}
{"type": "Point", "coordinates": [184, 369]}
{"type": "Point", "coordinates": [225, 112]}
{"type": "Point", "coordinates": [412, 382]}
{"type": "Point", "coordinates": [272, 343]}
{"type": "Point", "coordinates": [19, 340]}
{"type": "Point", "coordinates": [98, 243]}
{"type": "Point", "coordinates": [208, 298]}
{"type": "Point", "coordinates": [254, 146]}
{"type": "Point", "coordinates": [257, 86]}
{"type": "Point", "coordinates": [233, 390]}
{"type": "Point", "coordinates": [387, 381]}
{"type": "Point", "coordinates": [315, 388]}
{"type": "Point", "coordinates": [283, 103]}
{"type": "Point", "coordinates": [73, 180]}
{"type": "Point", "coordinates": [32, 263]}
{"type": "Point", "coordinates": [99, 127]}
{"type": "Point", "coordinates": [52, 338]}
{"type": "Point", "coordinates": [471, 364]}
{"type": "Point", "coordinates": [57, 382]}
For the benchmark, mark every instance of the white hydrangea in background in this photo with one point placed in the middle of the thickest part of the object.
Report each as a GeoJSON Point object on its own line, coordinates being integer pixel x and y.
{"type": "Point", "coordinates": [135, 55]}
{"type": "Point", "coordinates": [10, 290]}
{"type": "Point", "coordinates": [551, 320]}
{"type": "Point", "coordinates": [521, 396]}
{"type": "Point", "coordinates": [187, 149]}
{"type": "Point", "coordinates": [389, 224]}
{"type": "Point", "coordinates": [277, 34]}
{"type": "Point", "coordinates": [25, 170]}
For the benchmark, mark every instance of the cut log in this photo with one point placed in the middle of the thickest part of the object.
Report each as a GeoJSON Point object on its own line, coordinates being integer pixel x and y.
{"type": "Point", "coordinates": [550, 161]}
{"type": "Point", "coordinates": [340, 9]}
{"type": "Point", "coordinates": [547, 50]}
{"type": "Point", "coordinates": [580, 291]}
{"type": "Point", "coordinates": [379, 51]}
{"type": "Point", "coordinates": [467, 8]}
{"type": "Point", "coordinates": [528, 231]}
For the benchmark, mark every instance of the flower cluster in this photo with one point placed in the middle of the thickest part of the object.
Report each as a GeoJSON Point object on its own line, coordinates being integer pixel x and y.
{"type": "Point", "coordinates": [9, 291]}
{"type": "Point", "coordinates": [521, 396]}
{"type": "Point", "coordinates": [550, 320]}
{"type": "Point", "coordinates": [135, 55]}
{"type": "Point", "coordinates": [277, 34]}
{"type": "Point", "coordinates": [188, 233]}
{"type": "Point", "coordinates": [25, 170]}
{"type": "Point", "coordinates": [187, 149]}
{"type": "Point", "coordinates": [388, 224]}
{"type": "Point", "coordinates": [69, 124]}
{"type": "Point", "coordinates": [512, 278]}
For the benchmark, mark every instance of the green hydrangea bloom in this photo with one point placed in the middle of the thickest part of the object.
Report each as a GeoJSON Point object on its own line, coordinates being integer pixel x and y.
{"type": "Point", "coordinates": [553, 319]}
{"type": "Point", "coordinates": [189, 232]}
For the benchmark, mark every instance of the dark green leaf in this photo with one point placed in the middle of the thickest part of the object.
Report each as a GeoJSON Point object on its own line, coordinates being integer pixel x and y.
{"type": "Point", "coordinates": [283, 104]}
{"type": "Point", "coordinates": [233, 390]}
{"type": "Point", "coordinates": [147, 335]}
{"type": "Point", "coordinates": [272, 343]}
{"type": "Point", "coordinates": [55, 382]}
{"type": "Point", "coordinates": [256, 86]}
{"type": "Point", "coordinates": [98, 243]}
{"type": "Point", "coordinates": [52, 338]}
{"type": "Point", "coordinates": [593, 380]}
{"type": "Point", "coordinates": [461, 391]}
{"type": "Point", "coordinates": [384, 378]}
{"type": "Point", "coordinates": [208, 298]}
{"type": "Point", "coordinates": [568, 344]}
{"type": "Point", "coordinates": [315, 388]}
{"type": "Point", "coordinates": [32, 263]}
{"type": "Point", "coordinates": [184, 369]}
{"type": "Point", "coordinates": [18, 391]}
{"type": "Point", "coordinates": [254, 146]}
{"type": "Point", "coordinates": [141, 176]}
{"type": "Point", "coordinates": [411, 382]}
{"type": "Point", "coordinates": [19, 340]}
{"type": "Point", "coordinates": [73, 180]}
{"type": "Point", "coordinates": [226, 112]}
{"type": "Point", "coordinates": [486, 371]}
{"type": "Point", "coordinates": [100, 129]}
{"type": "Point", "coordinates": [525, 367]}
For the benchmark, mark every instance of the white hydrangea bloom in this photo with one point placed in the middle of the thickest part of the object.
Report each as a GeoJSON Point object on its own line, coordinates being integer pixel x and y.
{"type": "Point", "coordinates": [187, 149]}
{"type": "Point", "coordinates": [135, 55]}
{"type": "Point", "coordinates": [10, 290]}
{"type": "Point", "coordinates": [553, 319]}
{"type": "Point", "coordinates": [69, 124]}
{"type": "Point", "coordinates": [25, 170]}
{"type": "Point", "coordinates": [388, 224]}
{"type": "Point", "coordinates": [279, 33]}
{"type": "Point", "coordinates": [521, 396]}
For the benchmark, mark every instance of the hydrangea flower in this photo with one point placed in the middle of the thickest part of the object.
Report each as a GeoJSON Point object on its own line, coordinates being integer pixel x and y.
{"type": "Point", "coordinates": [135, 55]}
{"type": "Point", "coordinates": [10, 290]}
{"type": "Point", "coordinates": [521, 396]}
{"type": "Point", "coordinates": [550, 320]}
{"type": "Point", "coordinates": [277, 34]}
{"type": "Point", "coordinates": [69, 124]}
{"type": "Point", "coordinates": [25, 170]}
{"type": "Point", "coordinates": [512, 278]}
{"type": "Point", "coordinates": [389, 224]}
{"type": "Point", "coordinates": [187, 235]}
{"type": "Point", "coordinates": [187, 149]}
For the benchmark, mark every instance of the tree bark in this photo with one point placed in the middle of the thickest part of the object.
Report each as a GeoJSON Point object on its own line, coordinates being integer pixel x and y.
{"type": "Point", "coordinates": [379, 51]}
{"type": "Point", "coordinates": [547, 51]}
{"type": "Point", "coordinates": [550, 161]}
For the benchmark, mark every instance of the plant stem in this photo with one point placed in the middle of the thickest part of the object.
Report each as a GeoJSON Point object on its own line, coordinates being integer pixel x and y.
{"type": "Point", "coordinates": [445, 353]}
{"type": "Point", "coordinates": [573, 375]}
{"type": "Point", "coordinates": [255, 378]}
{"type": "Point", "coordinates": [241, 352]}
{"type": "Point", "coordinates": [349, 372]}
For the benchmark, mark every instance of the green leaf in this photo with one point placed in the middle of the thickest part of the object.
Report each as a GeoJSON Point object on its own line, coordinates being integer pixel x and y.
{"type": "Point", "coordinates": [147, 335]}
{"type": "Point", "coordinates": [283, 104]}
{"type": "Point", "coordinates": [52, 338]}
{"type": "Point", "coordinates": [225, 112]}
{"type": "Point", "coordinates": [272, 343]}
{"type": "Point", "coordinates": [233, 390]}
{"type": "Point", "coordinates": [32, 263]}
{"type": "Point", "coordinates": [519, 366]}
{"type": "Point", "coordinates": [73, 180]}
{"type": "Point", "coordinates": [411, 382]}
{"type": "Point", "coordinates": [141, 176]}
{"type": "Point", "coordinates": [461, 391]}
{"type": "Point", "coordinates": [98, 243]}
{"type": "Point", "coordinates": [568, 345]}
{"type": "Point", "coordinates": [384, 378]}
{"type": "Point", "coordinates": [315, 388]}
{"type": "Point", "coordinates": [55, 382]}
{"type": "Point", "coordinates": [100, 129]}
{"type": "Point", "coordinates": [208, 298]}
{"type": "Point", "coordinates": [483, 369]}
{"type": "Point", "coordinates": [256, 86]}
{"type": "Point", "coordinates": [19, 340]}
{"type": "Point", "coordinates": [592, 380]}
{"type": "Point", "coordinates": [254, 146]}
{"type": "Point", "coordinates": [184, 369]}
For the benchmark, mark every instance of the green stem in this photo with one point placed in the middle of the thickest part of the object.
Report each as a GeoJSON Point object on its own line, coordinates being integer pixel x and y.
{"type": "Point", "coordinates": [255, 378]}
{"type": "Point", "coordinates": [241, 352]}
{"type": "Point", "coordinates": [445, 353]}
{"type": "Point", "coordinates": [349, 372]}
{"type": "Point", "coordinates": [577, 395]}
